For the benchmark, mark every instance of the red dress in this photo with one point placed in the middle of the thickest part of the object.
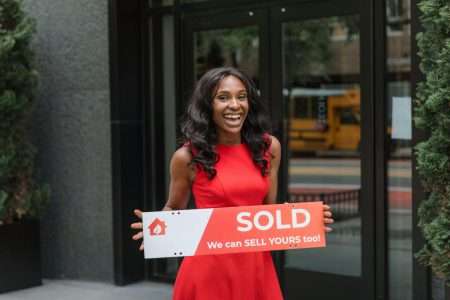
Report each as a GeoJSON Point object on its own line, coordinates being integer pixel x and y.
{"type": "Point", "coordinates": [241, 276]}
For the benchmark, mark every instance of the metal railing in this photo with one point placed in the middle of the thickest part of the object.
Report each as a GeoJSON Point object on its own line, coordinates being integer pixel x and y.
{"type": "Point", "coordinates": [344, 204]}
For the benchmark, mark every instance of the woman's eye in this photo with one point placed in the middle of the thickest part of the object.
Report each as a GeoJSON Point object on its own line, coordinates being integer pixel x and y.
{"type": "Point", "coordinates": [225, 98]}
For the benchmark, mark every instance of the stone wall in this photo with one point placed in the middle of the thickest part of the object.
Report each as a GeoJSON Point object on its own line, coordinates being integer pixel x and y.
{"type": "Point", "coordinates": [72, 131]}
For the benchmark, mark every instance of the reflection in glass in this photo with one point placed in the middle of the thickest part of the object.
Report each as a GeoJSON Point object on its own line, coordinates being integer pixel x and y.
{"type": "Point", "coordinates": [399, 188]}
{"type": "Point", "coordinates": [238, 47]}
{"type": "Point", "coordinates": [158, 3]}
{"type": "Point", "coordinates": [322, 94]}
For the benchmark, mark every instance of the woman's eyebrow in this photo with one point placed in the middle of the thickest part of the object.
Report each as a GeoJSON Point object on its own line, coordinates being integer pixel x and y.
{"type": "Point", "coordinates": [223, 92]}
{"type": "Point", "coordinates": [228, 92]}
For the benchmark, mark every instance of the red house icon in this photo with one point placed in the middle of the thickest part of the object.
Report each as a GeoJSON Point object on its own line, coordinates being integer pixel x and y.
{"type": "Point", "coordinates": [157, 227]}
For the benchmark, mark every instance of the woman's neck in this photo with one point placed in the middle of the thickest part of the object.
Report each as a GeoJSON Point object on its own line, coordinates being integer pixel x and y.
{"type": "Point", "coordinates": [229, 139]}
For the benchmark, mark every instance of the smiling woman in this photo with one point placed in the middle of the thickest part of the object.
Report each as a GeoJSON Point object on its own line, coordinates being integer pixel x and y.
{"type": "Point", "coordinates": [228, 159]}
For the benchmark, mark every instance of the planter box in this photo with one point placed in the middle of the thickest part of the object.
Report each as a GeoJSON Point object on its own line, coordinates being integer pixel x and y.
{"type": "Point", "coordinates": [20, 256]}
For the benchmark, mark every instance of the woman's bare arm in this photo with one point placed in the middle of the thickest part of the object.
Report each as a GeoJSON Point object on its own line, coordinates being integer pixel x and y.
{"type": "Point", "coordinates": [275, 150]}
{"type": "Point", "coordinates": [181, 177]}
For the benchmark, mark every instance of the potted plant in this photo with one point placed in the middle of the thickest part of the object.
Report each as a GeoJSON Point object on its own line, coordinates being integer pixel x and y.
{"type": "Point", "coordinates": [21, 199]}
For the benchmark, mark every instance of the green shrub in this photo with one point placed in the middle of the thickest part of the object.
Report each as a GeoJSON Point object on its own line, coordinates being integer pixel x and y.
{"type": "Point", "coordinates": [432, 114]}
{"type": "Point", "coordinates": [20, 196]}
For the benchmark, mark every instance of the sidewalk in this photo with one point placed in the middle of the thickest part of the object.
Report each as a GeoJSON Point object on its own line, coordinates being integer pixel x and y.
{"type": "Point", "coordinates": [75, 290]}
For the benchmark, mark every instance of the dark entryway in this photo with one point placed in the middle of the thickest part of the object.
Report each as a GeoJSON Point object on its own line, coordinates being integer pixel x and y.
{"type": "Point", "coordinates": [309, 63]}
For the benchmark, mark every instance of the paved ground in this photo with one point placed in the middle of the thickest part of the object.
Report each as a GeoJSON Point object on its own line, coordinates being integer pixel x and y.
{"type": "Point", "coordinates": [75, 290]}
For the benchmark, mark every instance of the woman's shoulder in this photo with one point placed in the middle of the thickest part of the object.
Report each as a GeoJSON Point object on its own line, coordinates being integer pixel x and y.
{"type": "Point", "coordinates": [183, 154]}
{"type": "Point", "coordinates": [274, 144]}
{"type": "Point", "coordinates": [180, 164]}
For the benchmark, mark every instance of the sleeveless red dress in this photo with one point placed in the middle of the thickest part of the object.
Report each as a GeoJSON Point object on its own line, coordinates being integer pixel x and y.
{"type": "Point", "coordinates": [241, 276]}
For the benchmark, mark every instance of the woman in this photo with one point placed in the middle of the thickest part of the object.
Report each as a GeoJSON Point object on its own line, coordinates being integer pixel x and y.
{"type": "Point", "coordinates": [228, 159]}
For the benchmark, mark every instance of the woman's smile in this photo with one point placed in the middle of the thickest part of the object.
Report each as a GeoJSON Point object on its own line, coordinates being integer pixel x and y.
{"type": "Point", "coordinates": [233, 119]}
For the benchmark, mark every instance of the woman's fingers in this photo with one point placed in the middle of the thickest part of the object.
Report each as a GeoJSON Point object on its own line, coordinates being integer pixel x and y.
{"type": "Point", "coordinates": [328, 220]}
{"type": "Point", "coordinates": [138, 213]}
{"type": "Point", "coordinates": [327, 211]}
{"type": "Point", "coordinates": [137, 225]}
{"type": "Point", "coordinates": [138, 235]}
{"type": "Point", "coordinates": [327, 217]}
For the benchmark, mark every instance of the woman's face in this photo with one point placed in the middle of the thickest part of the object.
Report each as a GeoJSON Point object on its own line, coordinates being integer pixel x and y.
{"type": "Point", "coordinates": [230, 106]}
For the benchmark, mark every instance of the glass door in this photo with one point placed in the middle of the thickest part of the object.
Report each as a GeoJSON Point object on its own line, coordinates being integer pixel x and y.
{"type": "Point", "coordinates": [325, 124]}
{"type": "Point", "coordinates": [312, 62]}
{"type": "Point", "coordinates": [225, 39]}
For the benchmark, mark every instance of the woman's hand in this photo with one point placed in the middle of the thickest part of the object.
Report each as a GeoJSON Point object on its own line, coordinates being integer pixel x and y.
{"type": "Point", "coordinates": [181, 177]}
{"type": "Point", "coordinates": [138, 225]}
{"type": "Point", "coordinates": [327, 217]}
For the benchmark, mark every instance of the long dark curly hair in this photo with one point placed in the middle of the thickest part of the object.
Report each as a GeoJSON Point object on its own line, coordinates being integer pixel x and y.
{"type": "Point", "coordinates": [199, 131]}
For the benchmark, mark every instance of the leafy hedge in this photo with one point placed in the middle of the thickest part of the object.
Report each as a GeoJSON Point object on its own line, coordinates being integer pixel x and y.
{"type": "Point", "coordinates": [432, 114]}
{"type": "Point", "coordinates": [20, 196]}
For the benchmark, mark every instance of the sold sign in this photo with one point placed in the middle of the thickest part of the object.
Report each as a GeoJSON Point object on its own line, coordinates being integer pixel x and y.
{"type": "Point", "coordinates": [233, 229]}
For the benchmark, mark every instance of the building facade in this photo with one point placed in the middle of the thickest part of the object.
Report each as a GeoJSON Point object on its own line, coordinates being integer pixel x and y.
{"type": "Point", "coordinates": [338, 79]}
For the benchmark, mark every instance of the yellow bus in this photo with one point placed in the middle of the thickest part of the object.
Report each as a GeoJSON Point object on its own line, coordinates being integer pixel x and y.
{"type": "Point", "coordinates": [324, 119]}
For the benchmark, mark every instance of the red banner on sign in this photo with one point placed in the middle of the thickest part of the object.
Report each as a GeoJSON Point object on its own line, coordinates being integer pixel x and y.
{"type": "Point", "coordinates": [261, 228]}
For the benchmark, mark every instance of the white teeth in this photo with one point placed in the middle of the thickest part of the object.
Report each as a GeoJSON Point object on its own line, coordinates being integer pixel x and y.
{"type": "Point", "coordinates": [234, 117]}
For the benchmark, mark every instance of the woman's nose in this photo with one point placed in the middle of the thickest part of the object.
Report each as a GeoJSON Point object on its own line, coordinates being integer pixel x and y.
{"type": "Point", "coordinates": [234, 103]}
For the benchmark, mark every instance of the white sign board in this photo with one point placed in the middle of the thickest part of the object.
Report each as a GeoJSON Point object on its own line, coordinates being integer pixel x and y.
{"type": "Point", "coordinates": [401, 118]}
{"type": "Point", "coordinates": [233, 229]}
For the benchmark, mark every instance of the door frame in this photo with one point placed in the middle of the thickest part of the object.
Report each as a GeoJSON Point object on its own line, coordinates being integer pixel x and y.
{"type": "Point", "coordinates": [364, 288]}
{"type": "Point", "coordinates": [269, 18]}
